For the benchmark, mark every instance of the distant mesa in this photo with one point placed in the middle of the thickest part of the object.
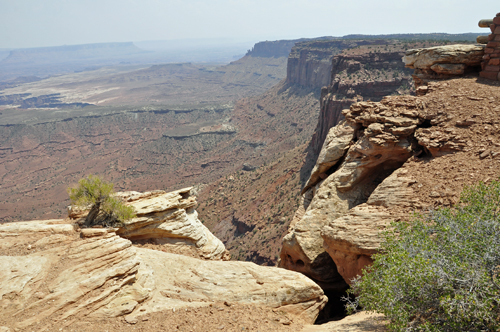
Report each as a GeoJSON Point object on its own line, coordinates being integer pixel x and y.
{"type": "Point", "coordinates": [71, 53]}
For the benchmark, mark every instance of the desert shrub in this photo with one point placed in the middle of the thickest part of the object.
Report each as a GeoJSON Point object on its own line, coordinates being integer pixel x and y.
{"type": "Point", "coordinates": [97, 195]}
{"type": "Point", "coordinates": [439, 272]}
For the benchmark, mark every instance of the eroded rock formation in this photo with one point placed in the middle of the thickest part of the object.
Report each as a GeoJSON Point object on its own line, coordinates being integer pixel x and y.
{"type": "Point", "coordinates": [53, 273]}
{"type": "Point", "coordinates": [367, 72]}
{"type": "Point", "coordinates": [386, 160]}
{"type": "Point", "coordinates": [360, 153]}
{"type": "Point", "coordinates": [167, 219]}
{"type": "Point", "coordinates": [442, 62]}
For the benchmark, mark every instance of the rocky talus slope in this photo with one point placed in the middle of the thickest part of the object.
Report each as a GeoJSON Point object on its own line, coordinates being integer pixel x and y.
{"type": "Point", "coordinates": [385, 160]}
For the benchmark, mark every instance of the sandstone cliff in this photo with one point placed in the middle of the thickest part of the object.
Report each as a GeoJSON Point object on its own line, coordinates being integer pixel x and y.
{"type": "Point", "coordinates": [385, 160]}
{"type": "Point", "coordinates": [310, 62]}
{"type": "Point", "coordinates": [367, 72]}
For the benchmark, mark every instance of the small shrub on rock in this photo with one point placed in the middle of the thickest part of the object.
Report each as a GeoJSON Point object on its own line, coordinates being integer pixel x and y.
{"type": "Point", "coordinates": [97, 195]}
{"type": "Point", "coordinates": [441, 271]}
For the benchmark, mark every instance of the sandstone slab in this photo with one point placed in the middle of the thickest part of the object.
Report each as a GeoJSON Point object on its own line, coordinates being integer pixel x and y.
{"type": "Point", "coordinates": [95, 274]}
{"type": "Point", "coordinates": [179, 281]}
{"type": "Point", "coordinates": [69, 276]}
{"type": "Point", "coordinates": [359, 322]}
{"type": "Point", "coordinates": [425, 58]}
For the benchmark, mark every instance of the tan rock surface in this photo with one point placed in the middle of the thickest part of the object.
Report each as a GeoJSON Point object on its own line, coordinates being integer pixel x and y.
{"type": "Point", "coordinates": [168, 220]}
{"type": "Point", "coordinates": [383, 144]}
{"type": "Point", "coordinates": [425, 58]}
{"type": "Point", "coordinates": [73, 274]}
{"type": "Point", "coordinates": [179, 281]}
{"type": "Point", "coordinates": [336, 143]}
{"type": "Point", "coordinates": [93, 274]}
{"type": "Point", "coordinates": [359, 322]}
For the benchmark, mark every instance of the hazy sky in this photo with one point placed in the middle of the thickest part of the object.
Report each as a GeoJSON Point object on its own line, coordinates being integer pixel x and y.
{"type": "Point", "coordinates": [34, 23]}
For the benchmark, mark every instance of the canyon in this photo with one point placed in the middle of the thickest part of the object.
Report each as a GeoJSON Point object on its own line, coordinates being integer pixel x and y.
{"type": "Point", "coordinates": [324, 146]}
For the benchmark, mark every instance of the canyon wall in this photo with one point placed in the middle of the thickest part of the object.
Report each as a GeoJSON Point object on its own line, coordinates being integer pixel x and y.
{"type": "Point", "coordinates": [380, 158]}
{"type": "Point", "coordinates": [363, 73]}
{"type": "Point", "coordinates": [310, 62]}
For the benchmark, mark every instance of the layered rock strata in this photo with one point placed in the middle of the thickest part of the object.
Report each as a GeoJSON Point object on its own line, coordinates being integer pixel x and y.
{"type": "Point", "coordinates": [53, 274]}
{"type": "Point", "coordinates": [443, 62]}
{"type": "Point", "coordinates": [357, 185]}
{"type": "Point", "coordinates": [167, 219]}
{"type": "Point", "coordinates": [490, 64]}
{"type": "Point", "coordinates": [365, 73]}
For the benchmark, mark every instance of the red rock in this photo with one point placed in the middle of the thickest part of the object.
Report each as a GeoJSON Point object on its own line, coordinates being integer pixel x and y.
{"type": "Point", "coordinates": [488, 50]}
{"type": "Point", "coordinates": [497, 30]}
{"type": "Point", "coordinates": [486, 57]}
{"type": "Point", "coordinates": [492, 68]}
{"type": "Point", "coordinates": [497, 37]}
{"type": "Point", "coordinates": [494, 62]}
{"type": "Point", "coordinates": [496, 20]}
{"type": "Point", "coordinates": [491, 36]}
{"type": "Point", "coordinates": [492, 27]}
{"type": "Point", "coordinates": [498, 77]}
{"type": "Point", "coordinates": [489, 75]}
{"type": "Point", "coordinates": [493, 44]}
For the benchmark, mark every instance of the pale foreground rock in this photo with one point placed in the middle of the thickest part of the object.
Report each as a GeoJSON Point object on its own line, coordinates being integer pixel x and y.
{"type": "Point", "coordinates": [168, 219]}
{"type": "Point", "coordinates": [359, 322]}
{"type": "Point", "coordinates": [51, 273]}
{"type": "Point", "coordinates": [178, 281]}
{"type": "Point", "coordinates": [73, 274]}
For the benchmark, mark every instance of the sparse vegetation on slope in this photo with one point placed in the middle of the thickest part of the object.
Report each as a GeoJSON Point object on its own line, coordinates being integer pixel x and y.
{"type": "Point", "coordinates": [440, 272]}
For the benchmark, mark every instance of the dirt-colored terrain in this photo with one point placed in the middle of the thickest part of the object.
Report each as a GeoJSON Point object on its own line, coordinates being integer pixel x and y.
{"type": "Point", "coordinates": [468, 110]}
{"type": "Point", "coordinates": [170, 85]}
{"type": "Point", "coordinates": [218, 317]}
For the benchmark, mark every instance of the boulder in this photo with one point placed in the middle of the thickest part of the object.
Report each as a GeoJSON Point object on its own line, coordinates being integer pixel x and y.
{"type": "Point", "coordinates": [179, 281]}
{"type": "Point", "coordinates": [425, 58]}
{"type": "Point", "coordinates": [443, 62]}
{"type": "Point", "coordinates": [359, 322]}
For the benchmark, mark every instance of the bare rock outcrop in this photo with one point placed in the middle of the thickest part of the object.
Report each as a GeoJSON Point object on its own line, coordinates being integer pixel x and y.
{"type": "Point", "coordinates": [53, 274]}
{"type": "Point", "coordinates": [168, 219]}
{"type": "Point", "coordinates": [359, 322]}
{"type": "Point", "coordinates": [352, 239]}
{"type": "Point", "coordinates": [368, 72]}
{"type": "Point", "coordinates": [443, 61]}
{"type": "Point", "coordinates": [357, 183]}
{"type": "Point", "coordinates": [190, 282]}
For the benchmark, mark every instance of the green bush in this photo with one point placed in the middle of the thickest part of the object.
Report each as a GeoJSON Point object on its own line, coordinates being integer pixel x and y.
{"type": "Point", "coordinates": [439, 272]}
{"type": "Point", "coordinates": [97, 195]}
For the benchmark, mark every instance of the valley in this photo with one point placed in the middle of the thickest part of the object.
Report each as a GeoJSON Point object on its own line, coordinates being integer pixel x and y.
{"type": "Point", "coordinates": [177, 125]}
